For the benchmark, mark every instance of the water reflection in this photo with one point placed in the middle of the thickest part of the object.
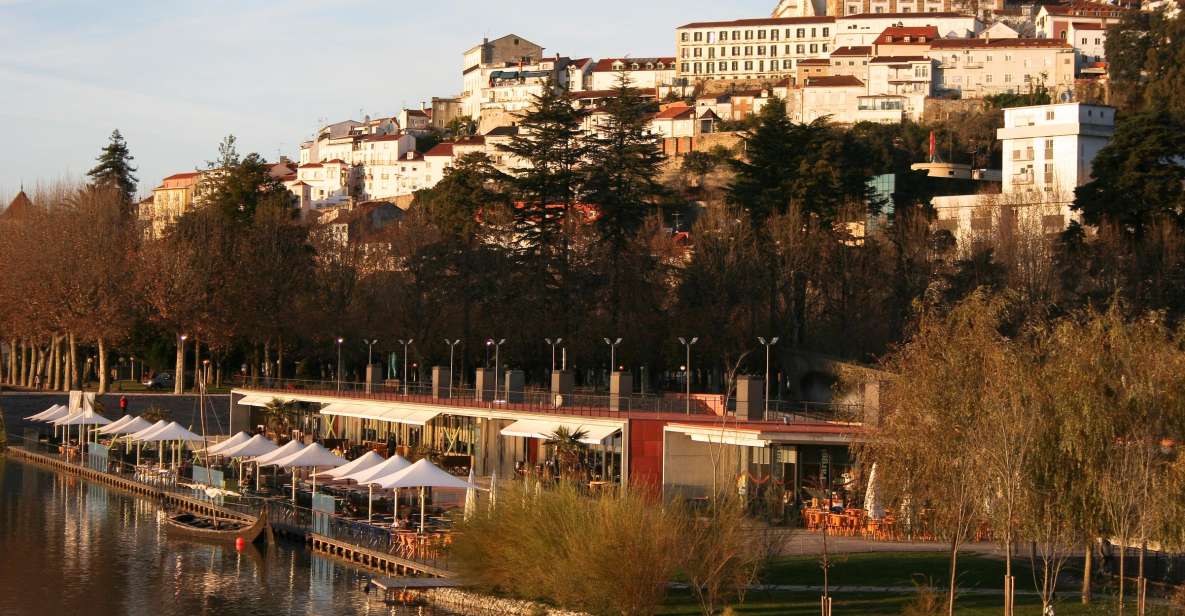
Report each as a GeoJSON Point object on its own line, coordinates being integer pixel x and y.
{"type": "Point", "coordinates": [67, 546]}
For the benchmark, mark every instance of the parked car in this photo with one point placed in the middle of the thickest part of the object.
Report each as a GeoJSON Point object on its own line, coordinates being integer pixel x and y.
{"type": "Point", "coordinates": [160, 380]}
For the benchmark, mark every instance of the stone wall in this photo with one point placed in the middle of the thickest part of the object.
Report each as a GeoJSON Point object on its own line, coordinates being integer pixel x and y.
{"type": "Point", "coordinates": [468, 602]}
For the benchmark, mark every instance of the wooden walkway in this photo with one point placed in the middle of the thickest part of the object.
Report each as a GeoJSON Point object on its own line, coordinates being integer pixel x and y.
{"type": "Point", "coordinates": [373, 559]}
{"type": "Point", "coordinates": [128, 484]}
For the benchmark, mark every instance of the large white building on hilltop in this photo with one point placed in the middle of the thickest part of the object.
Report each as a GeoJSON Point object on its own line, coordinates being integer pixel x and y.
{"type": "Point", "coordinates": [1048, 152]}
{"type": "Point", "coordinates": [765, 49]}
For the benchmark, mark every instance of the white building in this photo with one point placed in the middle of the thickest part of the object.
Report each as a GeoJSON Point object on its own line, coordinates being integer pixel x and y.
{"type": "Point", "coordinates": [1053, 20]}
{"type": "Point", "coordinates": [864, 29]}
{"type": "Point", "coordinates": [643, 73]}
{"type": "Point", "coordinates": [488, 56]}
{"type": "Point", "coordinates": [975, 68]}
{"type": "Point", "coordinates": [1048, 152]}
{"type": "Point", "coordinates": [750, 49]}
{"type": "Point", "coordinates": [1089, 41]}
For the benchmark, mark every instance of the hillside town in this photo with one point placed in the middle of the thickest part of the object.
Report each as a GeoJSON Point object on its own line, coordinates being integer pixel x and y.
{"type": "Point", "coordinates": [881, 61]}
{"type": "Point", "coordinates": [867, 305]}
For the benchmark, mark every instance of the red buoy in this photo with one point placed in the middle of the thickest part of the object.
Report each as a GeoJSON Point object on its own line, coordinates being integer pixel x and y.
{"type": "Point", "coordinates": [240, 544]}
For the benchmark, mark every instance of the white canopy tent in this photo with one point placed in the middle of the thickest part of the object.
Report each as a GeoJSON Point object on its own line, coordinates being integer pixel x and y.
{"type": "Point", "coordinates": [368, 460]}
{"type": "Point", "coordinates": [594, 434]}
{"type": "Point", "coordinates": [423, 474]}
{"type": "Point", "coordinates": [288, 449]}
{"type": "Point", "coordinates": [311, 456]}
{"type": "Point", "coordinates": [256, 446]}
{"type": "Point", "coordinates": [39, 416]}
{"type": "Point", "coordinates": [117, 423]}
{"type": "Point", "coordinates": [470, 498]}
{"type": "Point", "coordinates": [159, 425]}
{"type": "Point", "coordinates": [237, 439]}
{"type": "Point", "coordinates": [85, 418]}
{"type": "Point", "coordinates": [171, 432]}
{"type": "Point", "coordinates": [387, 467]}
{"type": "Point", "coordinates": [125, 425]}
{"type": "Point", "coordinates": [379, 412]}
{"type": "Point", "coordinates": [56, 414]}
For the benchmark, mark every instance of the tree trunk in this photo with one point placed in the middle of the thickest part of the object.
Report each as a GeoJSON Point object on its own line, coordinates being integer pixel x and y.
{"type": "Point", "coordinates": [280, 359]}
{"type": "Point", "coordinates": [76, 375]}
{"type": "Point", "coordinates": [53, 362]}
{"type": "Point", "coordinates": [179, 368]}
{"type": "Point", "coordinates": [24, 379]}
{"type": "Point", "coordinates": [954, 568]}
{"type": "Point", "coordinates": [1122, 572]}
{"type": "Point", "coordinates": [267, 359]}
{"type": "Point", "coordinates": [1087, 566]}
{"type": "Point", "coordinates": [102, 367]}
{"type": "Point", "coordinates": [1140, 578]}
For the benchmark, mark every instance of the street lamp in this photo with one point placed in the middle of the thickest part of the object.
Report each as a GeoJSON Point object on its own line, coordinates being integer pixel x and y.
{"type": "Point", "coordinates": [179, 382]}
{"type": "Point", "coordinates": [405, 344]}
{"type": "Point", "coordinates": [370, 351]}
{"type": "Point", "coordinates": [497, 347]}
{"type": "Point", "coordinates": [687, 343]}
{"type": "Point", "coordinates": [452, 344]}
{"type": "Point", "coordinates": [612, 352]}
{"type": "Point", "coordinates": [767, 345]}
{"type": "Point", "coordinates": [340, 340]}
{"type": "Point", "coordinates": [553, 345]}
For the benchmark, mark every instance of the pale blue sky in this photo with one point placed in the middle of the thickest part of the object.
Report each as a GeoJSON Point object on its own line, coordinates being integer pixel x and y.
{"type": "Point", "coordinates": [175, 77]}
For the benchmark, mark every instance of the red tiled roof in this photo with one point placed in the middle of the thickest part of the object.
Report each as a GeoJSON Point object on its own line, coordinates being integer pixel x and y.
{"type": "Point", "coordinates": [1080, 25]}
{"type": "Point", "coordinates": [605, 65]}
{"type": "Point", "coordinates": [814, 61]}
{"type": "Point", "coordinates": [580, 62]}
{"type": "Point", "coordinates": [19, 205]}
{"type": "Point", "coordinates": [182, 176]}
{"type": "Point", "coordinates": [1001, 42]}
{"type": "Point", "coordinates": [440, 149]}
{"type": "Point", "coordinates": [391, 137]}
{"type": "Point", "coordinates": [608, 93]}
{"type": "Point", "coordinates": [310, 165]}
{"type": "Point", "coordinates": [836, 81]}
{"type": "Point", "coordinates": [768, 21]}
{"type": "Point", "coordinates": [895, 59]}
{"type": "Point", "coordinates": [336, 161]}
{"type": "Point", "coordinates": [858, 50]}
{"type": "Point", "coordinates": [416, 112]}
{"type": "Point", "coordinates": [674, 112]}
{"type": "Point", "coordinates": [470, 140]}
{"type": "Point", "coordinates": [898, 34]}
{"type": "Point", "coordinates": [945, 15]}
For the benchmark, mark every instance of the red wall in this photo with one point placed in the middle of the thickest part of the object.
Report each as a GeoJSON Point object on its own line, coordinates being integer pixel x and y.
{"type": "Point", "coordinates": [645, 454]}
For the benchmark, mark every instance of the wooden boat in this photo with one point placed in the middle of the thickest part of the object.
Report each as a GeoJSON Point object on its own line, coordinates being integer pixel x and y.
{"type": "Point", "coordinates": [228, 530]}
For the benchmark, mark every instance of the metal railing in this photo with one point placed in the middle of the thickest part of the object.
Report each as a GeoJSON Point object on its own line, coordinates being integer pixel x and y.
{"type": "Point", "coordinates": [537, 400]}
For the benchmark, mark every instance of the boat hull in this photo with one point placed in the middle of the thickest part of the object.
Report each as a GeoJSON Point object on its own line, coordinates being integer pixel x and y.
{"type": "Point", "coordinates": [201, 527]}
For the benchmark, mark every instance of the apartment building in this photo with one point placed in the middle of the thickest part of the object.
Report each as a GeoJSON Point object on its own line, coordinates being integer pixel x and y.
{"type": "Point", "coordinates": [975, 68]}
{"type": "Point", "coordinates": [512, 90]}
{"type": "Point", "coordinates": [643, 73]}
{"type": "Point", "coordinates": [865, 28]}
{"type": "Point", "coordinates": [172, 198]}
{"type": "Point", "coordinates": [750, 49]}
{"type": "Point", "coordinates": [486, 57]}
{"type": "Point", "coordinates": [1048, 151]}
{"type": "Point", "coordinates": [800, 8]}
{"type": "Point", "coordinates": [852, 61]}
{"type": "Point", "coordinates": [1053, 20]}
{"type": "Point", "coordinates": [1089, 41]}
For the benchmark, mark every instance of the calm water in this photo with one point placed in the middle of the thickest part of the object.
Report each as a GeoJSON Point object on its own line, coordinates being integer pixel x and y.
{"type": "Point", "coordinates": [68, 546]}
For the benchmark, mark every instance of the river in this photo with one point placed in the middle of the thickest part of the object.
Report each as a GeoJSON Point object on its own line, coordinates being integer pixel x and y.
{"type": "Point", "coordinates": [71, 547]}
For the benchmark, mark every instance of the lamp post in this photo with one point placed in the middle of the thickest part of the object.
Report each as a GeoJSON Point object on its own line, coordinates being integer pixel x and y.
{"type": "Point", "coordinates": [132, 373]}
{"type": "Point", "coordinates": [767, 345]}
{"type": "Point", "coordinates": [687, 376]}
{"type": "Point", "coordinates": [612, 353]}
{"type": "Point", "coordinates": [405, 343]}
{"type": "Point", "coordinates": [179, 381]}
{"type": "Point", "coordinates": [553, 345]}
{"type": "Point", "coordinates": [370, 350]}
{"type": "Point", "coordinates": [340, 340]}
{"type": "Point", "coordinates": [205, 372]}
{"type": "Point", "coordinates": [452, 344]}
{"type": "Point", "coordinates": [497, 347]}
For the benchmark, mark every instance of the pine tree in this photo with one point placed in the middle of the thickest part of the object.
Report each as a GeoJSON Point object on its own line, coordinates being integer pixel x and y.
{"type": "Point", "coordinates": [625, 162]}
{"type": "Point", "coordinates": [237, 185]}
{"type": "Point", "coordinates": [114, 167]}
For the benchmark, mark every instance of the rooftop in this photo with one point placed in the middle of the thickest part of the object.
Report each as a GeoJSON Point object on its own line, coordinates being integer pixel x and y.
{"type": "Point", "coordinates": [768, 21]}
{"type": "Point", "coordinates": [836, 81]}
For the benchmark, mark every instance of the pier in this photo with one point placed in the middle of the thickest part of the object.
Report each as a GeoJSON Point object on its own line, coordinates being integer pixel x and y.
{"type": "Point", "coordinates": [373, 560]}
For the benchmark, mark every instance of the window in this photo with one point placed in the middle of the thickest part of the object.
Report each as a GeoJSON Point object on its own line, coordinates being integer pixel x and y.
{"type": "Point", "coordinates": [773, 34]}
{"type": "Point", "coordinates": [748, 65]}
{"type": "Point", "coordinates": [800, 33]}
{"type": "Point", "coordinates": [724, 35]}
{"type": "Point", "coordinates": [814, 48]}
{"type": "Point", "coordinates": [1049, 116]}
{"type": "Point", "coordinates": [812, 33]}
{"type": "Point", "coordinates": [987, 78]}
{"type": "Point", "coordinates": [736, 51]}
{"type": "Point", "coordinates": [800, 49]}
{"type": "Point", "coordinates": [853, 9]}
{"type": "Point", "coordinates": [761, 50]}
{"type": "Point", "coordinates": [698, 36]}
{"type": "Point", "coordinates": [826, 32]}
{"type": "Point", "coordinates": [723, 66]}
{"type": "Point", "coordinates": [711, 54]}
{"type": "Point", "coordinates": [697, 51]}
{"type": "Point", "coordinates": [1048, 174]}
{"type": "Point", "coordinates": [734, 66]}
{"type": "Point", "coordinates": [824, 47]}
{"type": "Point", "coordinates": [1049, 149]}
{"type": "Point", "coordinates": [683, 66]}
{"type": "Point", "coordinates": [697, 67]}
{"type": "Point", "coordinates": [761, 35]}
{"type": "Point", "coordinates": [748, 35]}
{"type": "Point", "coordinates": [786, 64]}
{"type": "Point", "coordinates": [748, 50]}
{"type": "Point", "coordinates": [684, 37]}
{"type": "Point", "coordinates": [921, 70]}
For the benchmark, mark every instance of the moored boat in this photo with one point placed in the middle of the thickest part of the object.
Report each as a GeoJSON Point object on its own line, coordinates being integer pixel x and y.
{"type": "Point", "coordinates": [208, 528]}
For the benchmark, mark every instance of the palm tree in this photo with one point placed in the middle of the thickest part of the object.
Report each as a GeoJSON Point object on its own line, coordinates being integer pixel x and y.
{"type": "Point", "coordinates": [278, 415]}
{"type": "Point", "coordinates": [569, 448]}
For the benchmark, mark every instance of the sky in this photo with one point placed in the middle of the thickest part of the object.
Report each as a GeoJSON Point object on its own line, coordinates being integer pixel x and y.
{"type": "Point", "coordinates": [176, 77]}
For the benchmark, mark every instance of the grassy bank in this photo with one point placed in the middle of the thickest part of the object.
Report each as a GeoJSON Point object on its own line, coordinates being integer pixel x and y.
{"type": "Point", "coordinates": [807, 604]}
{"type": "Point", "coordinates": [896, 569]}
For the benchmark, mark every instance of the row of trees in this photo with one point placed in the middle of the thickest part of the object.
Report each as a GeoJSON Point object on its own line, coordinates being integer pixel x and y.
{"type": "Point", "coordinates": [1056, 432]}
{"type": "Point", "coordinates": [576, 245]}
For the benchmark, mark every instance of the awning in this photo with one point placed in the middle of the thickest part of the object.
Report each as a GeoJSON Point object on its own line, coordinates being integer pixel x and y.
{"type": "Point", "coordinates": [255, 400]}
{"type": "Point", "coordinates": [415, 417]}
{"type": "Point", "coordinates": [720, 436]}
{"type": "Point", "coordinates": [543, 429]}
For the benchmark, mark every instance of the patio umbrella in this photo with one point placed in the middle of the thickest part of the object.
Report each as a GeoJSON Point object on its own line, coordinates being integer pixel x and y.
{"type": "Point", "coordinates": [389, 466]}
{"type": "Point", "coordinates": [288, 449]}
{"type": "Point", "coordinates": [369, 460]}
{"type": "Point", "coordinates": [159, 425]}
{"type": "Point", "coordinates": [493, 489]}
{"type": "Point", "coordinates": [237, 439]}
{"type": "Point", "coordinates": [257, 446]}
{"type": "Point", "coordinates": [85, 418]}
{"type": "Point", "coordinates": [170, 432]}
{"type": "Point", "coordinates": [470, 498]}
{"type": "Point", "coordinates": [53, 414]}
{"type": "Point", "coordinates": [38, 416]}
{"type": "Point", "coordinates": [423, 474]}
{"type": "Point", "coordinates": [871, 502]}
{"type": "Point", "coordinates": [310, 457]}
{"type": "Point", "coordinates": [126, 426]}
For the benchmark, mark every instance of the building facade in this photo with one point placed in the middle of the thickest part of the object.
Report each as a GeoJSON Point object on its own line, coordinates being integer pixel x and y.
{"type": "Point", "coordinates": [750, 49]}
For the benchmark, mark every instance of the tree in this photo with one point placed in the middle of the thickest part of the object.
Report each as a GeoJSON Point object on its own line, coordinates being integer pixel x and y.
{"type": "Point", "coordinates": [1145, 60]}
{"type": "Point", "coordinates": [569, 448]}
{"type": "Point", "coordinates": [115, 168]}
{"type": "Point", "coordinates": [1138, 176]}
{"type": "Point", "coordinates": [238, 185]}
